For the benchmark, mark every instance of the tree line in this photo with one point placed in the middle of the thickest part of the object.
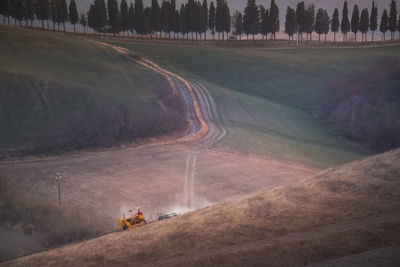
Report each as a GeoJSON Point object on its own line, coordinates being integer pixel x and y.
{"type": "Point", "coordinates": [195, 18]}
{"type": "Point", "coordinates": [27, 10]}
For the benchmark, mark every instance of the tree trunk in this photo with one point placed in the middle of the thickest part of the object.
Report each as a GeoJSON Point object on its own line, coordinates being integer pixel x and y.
{"type": "Point", "coordinates": [334, 37]}
{"type": "Point", "coordinates": [74, 29]}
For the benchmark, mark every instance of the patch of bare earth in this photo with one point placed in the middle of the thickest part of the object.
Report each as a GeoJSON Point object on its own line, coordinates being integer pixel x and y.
{"type": "Point", "coordinates": [339, 212]}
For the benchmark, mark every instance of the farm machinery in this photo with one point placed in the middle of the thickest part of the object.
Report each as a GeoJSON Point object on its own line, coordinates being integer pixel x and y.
{"type": "Point", "coordinates": [133, 221]}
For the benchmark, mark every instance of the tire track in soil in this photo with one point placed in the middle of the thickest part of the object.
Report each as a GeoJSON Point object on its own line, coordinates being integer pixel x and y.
{"type": "Point", "coordinates": [204, 123]}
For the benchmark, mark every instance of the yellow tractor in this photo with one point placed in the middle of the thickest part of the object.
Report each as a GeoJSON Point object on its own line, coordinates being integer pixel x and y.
{"type": "Point", "coordinates": [134, 221]}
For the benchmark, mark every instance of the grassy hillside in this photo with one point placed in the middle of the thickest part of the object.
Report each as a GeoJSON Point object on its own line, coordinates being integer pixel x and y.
{"type": "Point", "coordinates": [341, 211]}
{"type": "Point", "coordinates": [266, 96]}
{"type": "Point", "coordinates": [54, 86]}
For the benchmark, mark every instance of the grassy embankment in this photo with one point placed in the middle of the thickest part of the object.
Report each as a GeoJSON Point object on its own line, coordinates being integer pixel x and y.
{"type": "Point", "coordinates": [266, 96]}
{"type": "Point", "coordinates": [65, 92]}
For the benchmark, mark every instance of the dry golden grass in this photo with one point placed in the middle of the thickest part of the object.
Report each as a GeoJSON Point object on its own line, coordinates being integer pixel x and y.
{"type": "Point", "coordinates": [338, 212]}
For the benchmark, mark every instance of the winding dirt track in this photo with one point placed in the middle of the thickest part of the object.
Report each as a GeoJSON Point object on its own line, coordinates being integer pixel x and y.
{"type": "Point", "coordinates": [198, 100]}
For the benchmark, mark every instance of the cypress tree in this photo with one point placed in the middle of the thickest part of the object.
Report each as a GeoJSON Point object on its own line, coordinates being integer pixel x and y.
{"type": "Point", "coordinates": [274, 18]}
{"type": "Point", "coordinates": [171, 17]}
{"type": "Point", "coordinates": [355, 21]}
{"type": "Point", "coordinates": [190, 6]}
{"type": "Point", "coordinates": [42, 11]}
{"type": "Point", "coordinates": [53, 13]}
{"type": "Point", "coordinates": [263, 23]}
{"type": "Point", "coordinates": [250, 18]}
{"type": "Point", "coordinates": [393, 19]}
{"type": "Point", "coordinates": [62, 12]}
{"type": "Point", "coordinates": [5, 10]}
{"type": "Point", "coordinates": [345, 25]}
{"type": "Point", "coordinates": [319, 23]}
{"type": "Point", "coordinates": [260, 26]}
{"type": "Point", "coordinates": [398, 27]}
{"type": "Point", "coordinates": [183, 20]}
{"type": "Point", "coordinates": [309, 18]}
{"type": "Point", "coordinates": [335, 24]}
{"type": "Point", "coordinates": [101, 14]}
{"type": "Point", "coordinates": [178, 23]}
{"type": "Point", "coordinates": [204, 14]}
{"type": "Point", "coordinates": [268, 22]}
{"type": "Point", "coordinates": [212, 19]}
{"type": "Point", "coordinates": [326, 21]}
{"type": "Point", "coordinates": [300, 19]}
{"type": "Point", "coordinates": [364, 24]}
{"type": "Point", "coordinates": [131, 14]}
{"type": "Point", "coordinates": [73, 13]}
{"type": "Point", "coordinates": [30, 11]}
{"type": "Point", "coordinates": [155, 16]}
{"type": "Point", "coordinates": [146, 21]}
{"type": "Point", "coordinates": [226, 19]}
{"type": "Point", "coordinates": [290, 24]}
{"type": "Point", "coordinates": [197, 18]}
{"type": "Point", "coordinates": [90, 18]}
{"type": "Point", "coordinates": [237, 24]}
{"type": "Point", "coordinates": [139, 16]}
{"type": "Point", "coordinates": [124, 17]}
{"type": "Point", "coordinates": [83, 21]}
{"type": "Point", "coordinates": [384, 24]}
{"type": "Point", "coordinates": [219, 18]}
{"type": "Point", "coordinates": [114, 17]}
{"type": "Point", "coordinates": [164, 16]}
{"type": "Point", "coordinates": [18, 10]}
{"type": "Point", "coordinates": [374, 19]}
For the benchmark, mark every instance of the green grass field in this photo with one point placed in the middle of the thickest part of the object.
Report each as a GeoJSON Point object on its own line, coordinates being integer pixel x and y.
{"type": "Point", "coordinates": [47, 76]}
{"type": "Point", "coordinates": [265, 96]}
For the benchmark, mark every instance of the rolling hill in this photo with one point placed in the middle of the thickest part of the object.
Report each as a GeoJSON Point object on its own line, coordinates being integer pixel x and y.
{"type": "Point", "coordinates": [62, 92]}
{"type": "Point", "coordinates": [267, 106]}
{"type": "Point", "coordinates": [341, 211]}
